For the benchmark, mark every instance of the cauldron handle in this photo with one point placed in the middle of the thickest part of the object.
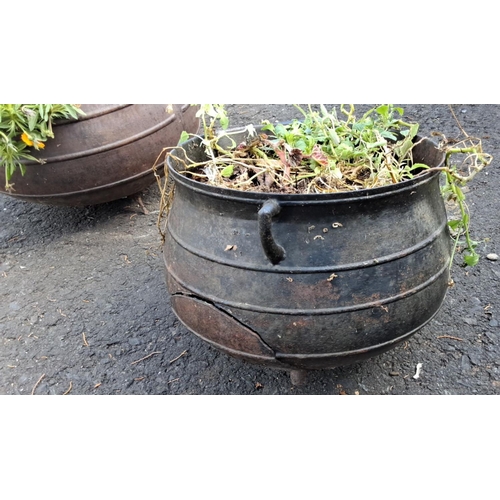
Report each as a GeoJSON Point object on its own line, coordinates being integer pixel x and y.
{"type": "Point", "coordinates": [274, 252]}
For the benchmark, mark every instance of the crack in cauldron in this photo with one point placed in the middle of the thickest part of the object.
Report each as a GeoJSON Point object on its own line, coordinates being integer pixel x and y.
{"type": "Point", "coordinates": [227, 315]}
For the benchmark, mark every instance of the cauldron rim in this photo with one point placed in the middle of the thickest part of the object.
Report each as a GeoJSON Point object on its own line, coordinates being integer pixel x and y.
{"type": "Point", "coordinates": [290, 199]}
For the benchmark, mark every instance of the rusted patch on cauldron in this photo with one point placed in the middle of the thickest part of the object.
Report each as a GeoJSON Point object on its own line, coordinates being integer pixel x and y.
{"type": "Point", "coordinates": [218, 327]}
{"type": "Point", "coordinates": [298, 293]}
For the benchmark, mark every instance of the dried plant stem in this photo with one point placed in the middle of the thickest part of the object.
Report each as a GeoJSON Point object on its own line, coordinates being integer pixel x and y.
{"type": "Point", "coordinates": [450, 337]}
{"type": "Point", "coordinates": [178, 357]}
{"type": "Point", "coordinates": [146, 357]}
{"type": "Point", "coordinates": [36, 385]}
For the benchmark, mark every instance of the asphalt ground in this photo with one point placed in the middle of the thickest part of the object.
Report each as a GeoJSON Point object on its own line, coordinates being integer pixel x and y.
{"type": "Point", "coordinates": [84, 308]}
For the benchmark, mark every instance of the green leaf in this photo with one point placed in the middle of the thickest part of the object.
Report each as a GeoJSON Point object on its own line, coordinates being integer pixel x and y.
{"type": "Point", "coordinates": [224, 122]}
{"type": "Point", "coordinates": [420, 166]}
{"type": "Point", "coordinates": [32, 122]}
{"type": "Point", "coordinates": [324, 111]}
{"type": "Point", "coordinates": [455, 224]}
{"type": "Point", "coordinates": [345, 149]}
{"type": "Point", "coordinates": [388, 135]}
{"type": "Point", "coordinates": [73, 112]}
{"type": "Point", "coordinates": [268, 126]}
{"type": "Point", "coordinates": [279, 130]}
{"type": "Point", "coordinates": [459, 193]}
{"type": "Point", "coordinates": [405, 146]}
{"type": "Point", "coordinates": [228, 171]}
{"type": "Point", "coordinates": [383, 110]}
{"type": "Point", "coordinates": [184, 137]}
{"type": "Point", "coordinates": [414, 130]}
{"type": "Point", "coordinates": [301, 144]}
{"type": "Point", "coordinates": [334, 137]}
{"type": "Point", "coordinates": [471, 259]}
{"type": "Point", "coordinates": [375, 145]}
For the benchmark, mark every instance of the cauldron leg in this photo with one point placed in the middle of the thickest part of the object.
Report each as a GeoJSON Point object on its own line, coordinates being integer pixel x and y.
{"type": "Point", "coordinates": [141, 204]}
{"type": "Point", "coordinates": [298, 377]}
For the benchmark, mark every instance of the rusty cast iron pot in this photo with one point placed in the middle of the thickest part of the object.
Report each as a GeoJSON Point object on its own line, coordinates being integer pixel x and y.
{"type": "Point", "coordinates": [302, 282]}
{"type": "Point", "coordinates": [104, 156]}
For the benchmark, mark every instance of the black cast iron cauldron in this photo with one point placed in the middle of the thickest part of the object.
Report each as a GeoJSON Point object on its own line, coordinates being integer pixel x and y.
{"type": "Point", "coordinates": [302, 282]}
{"type": "Point", "coordinates": [103, 156]}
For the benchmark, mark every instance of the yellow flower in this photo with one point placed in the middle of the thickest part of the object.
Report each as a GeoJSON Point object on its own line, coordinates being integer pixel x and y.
{"type": "Point", "coordinates": [35, 142]}
{"type": "Point", "coordinates": [26, 139]}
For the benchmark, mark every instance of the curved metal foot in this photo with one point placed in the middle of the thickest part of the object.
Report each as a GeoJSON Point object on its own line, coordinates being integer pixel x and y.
{"type": "Point", "coordinates": [298, 377]}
